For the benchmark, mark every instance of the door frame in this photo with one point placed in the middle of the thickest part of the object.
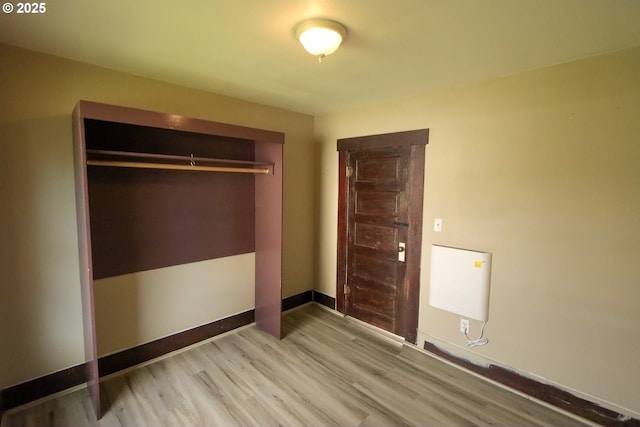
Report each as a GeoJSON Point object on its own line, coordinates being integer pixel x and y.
{"type": "Point", "coordinates": [409, 302]}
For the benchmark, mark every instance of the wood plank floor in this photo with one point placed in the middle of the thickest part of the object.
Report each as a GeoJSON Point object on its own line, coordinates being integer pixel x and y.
{"type": "Point", "coordinates": [327, 371]}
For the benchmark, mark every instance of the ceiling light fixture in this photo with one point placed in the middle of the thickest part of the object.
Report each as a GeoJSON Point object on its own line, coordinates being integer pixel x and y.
{"type": "Point", "coordinates": [320, 37]}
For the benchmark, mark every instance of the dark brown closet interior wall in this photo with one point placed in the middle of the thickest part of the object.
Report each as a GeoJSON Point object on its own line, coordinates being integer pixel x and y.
{"type": "Point", "coordinates": [144, 219]}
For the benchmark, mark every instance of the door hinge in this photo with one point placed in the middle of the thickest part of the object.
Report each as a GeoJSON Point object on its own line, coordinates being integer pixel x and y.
{"type": "Point", "coordinates": [346, 289]}
{"type": "Point", "coordinates": [349, 171]}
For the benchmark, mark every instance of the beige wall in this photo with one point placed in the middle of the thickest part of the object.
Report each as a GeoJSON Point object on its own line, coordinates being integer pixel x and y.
{"type": "Point", "coordinates": [543, 170]}
{"type": "Point", "coordinates": [40, 315]}
{"type": "Point", "coordinates": [143, 306]}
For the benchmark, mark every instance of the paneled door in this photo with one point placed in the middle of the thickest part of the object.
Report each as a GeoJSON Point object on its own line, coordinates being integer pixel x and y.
{"type": "Point", "coordinates": [377, 224]}
{"type": "Point", "coordinates": [380, 225]}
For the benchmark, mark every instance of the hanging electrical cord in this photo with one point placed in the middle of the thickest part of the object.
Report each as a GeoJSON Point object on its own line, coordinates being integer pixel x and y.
{"type": "Point", "coordinates": [478, 341]}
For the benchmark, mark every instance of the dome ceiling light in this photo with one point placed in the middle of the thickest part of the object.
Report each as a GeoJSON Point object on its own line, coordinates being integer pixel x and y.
{"type": "Point", "coordinates": [320, 37]}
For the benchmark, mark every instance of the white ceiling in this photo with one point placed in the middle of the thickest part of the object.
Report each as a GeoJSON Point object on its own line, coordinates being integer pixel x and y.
{"type": "Point", "coordinates": [394, 49]}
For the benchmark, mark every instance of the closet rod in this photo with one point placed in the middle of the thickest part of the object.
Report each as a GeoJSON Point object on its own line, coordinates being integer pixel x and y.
{"type": "Point", "coordinates": [167, 166]}
{"type": "Point", "coordinates": [173, 157]}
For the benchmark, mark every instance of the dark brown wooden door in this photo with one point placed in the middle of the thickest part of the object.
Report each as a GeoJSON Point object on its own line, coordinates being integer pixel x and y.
{"type": "Point", "coordinates": [381, 188]}
{"type": "Point", "coordinates": [377, 234]}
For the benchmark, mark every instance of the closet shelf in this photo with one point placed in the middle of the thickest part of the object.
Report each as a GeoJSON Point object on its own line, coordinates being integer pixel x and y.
{"type": "Point", "coordinates": [130, 159]}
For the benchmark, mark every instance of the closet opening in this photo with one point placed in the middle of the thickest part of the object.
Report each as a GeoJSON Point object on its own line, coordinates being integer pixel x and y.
{"type": "Point", "coordinates": [159, 191]}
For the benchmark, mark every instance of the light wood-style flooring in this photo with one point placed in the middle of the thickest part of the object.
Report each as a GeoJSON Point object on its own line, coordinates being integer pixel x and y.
{"type": "Point", "coordinates": [326, 371]}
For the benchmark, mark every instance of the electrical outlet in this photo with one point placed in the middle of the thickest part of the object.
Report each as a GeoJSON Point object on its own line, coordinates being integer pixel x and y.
{"type": "Point", "coordinates": [464, 326]}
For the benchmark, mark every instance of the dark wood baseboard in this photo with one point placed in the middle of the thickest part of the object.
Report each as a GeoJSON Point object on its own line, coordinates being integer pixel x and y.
{"type": "Point", "coordinates": [143, 353]}
{"type": "Point", "coordinates": [37, 388]}
{"type": "Point", "coordinates": [325, 300]}
{"type": "Point", "coordinates": [297, 300]}
{"type": "Point", "coordinates": [545, 392]}
{"type": "Point", "coordinates": [20, 394]}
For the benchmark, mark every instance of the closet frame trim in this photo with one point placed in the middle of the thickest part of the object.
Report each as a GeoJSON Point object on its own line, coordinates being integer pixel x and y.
{"type": "Point", "coordinates": [268, 216]}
